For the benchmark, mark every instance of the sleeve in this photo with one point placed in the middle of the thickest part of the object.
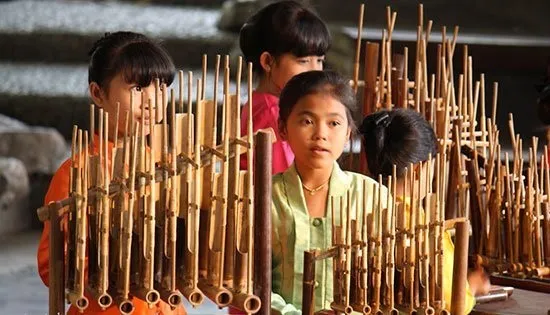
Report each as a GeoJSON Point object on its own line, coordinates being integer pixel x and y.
{"type": "Point", "coordinates": [448, 262]}
{"type": "Point", "coordinates": [58, 189]}
{"type": "Point", "coordinates": [266, 116]}
{"type": "Point", "coordinates": [280, 307]}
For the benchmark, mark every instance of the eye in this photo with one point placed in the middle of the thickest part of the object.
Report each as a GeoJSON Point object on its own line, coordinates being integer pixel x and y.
{"type": "Point", "coordinates": [335, 123]}
{"type": "Point", "coordinates": [321, 60]}
{"type": "Point", "coordinates": [307, 121]}
{"type": "Point", "coordinates": [303, 61]}
{"type": "Point", "coordinates": [137, 88]}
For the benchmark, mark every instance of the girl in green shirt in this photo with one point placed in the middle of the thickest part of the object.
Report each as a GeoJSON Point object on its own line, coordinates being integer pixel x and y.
{"type": "Point", "coordinates": [315, 118]}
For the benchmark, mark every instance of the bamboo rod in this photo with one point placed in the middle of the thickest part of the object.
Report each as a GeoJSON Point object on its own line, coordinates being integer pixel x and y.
{"type": "Point", "coordinates": [358, 48]}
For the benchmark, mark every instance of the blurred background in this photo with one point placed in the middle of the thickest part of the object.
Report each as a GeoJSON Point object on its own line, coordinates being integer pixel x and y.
{"type": "Point", "coordinates": [43, 82]}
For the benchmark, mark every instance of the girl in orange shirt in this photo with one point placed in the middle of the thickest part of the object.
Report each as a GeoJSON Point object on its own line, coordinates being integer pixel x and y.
{"type": "Point", "coordinates": [121, 63]}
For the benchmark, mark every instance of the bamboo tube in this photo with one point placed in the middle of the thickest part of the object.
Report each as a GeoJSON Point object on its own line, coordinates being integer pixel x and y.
{"type": "Point", "coordinates": [377, 270]}
{"type": "Point", "coordinates": [181, 91]}
{"type": "Point", "coordinates": [494, 205]}
{"type": "Point", "coordinates": [192, 291]}
{"type": "Point", "coordinates": [411, 255]}
{"type": "Point", "coordinates": [495, 98]}
{"type": "Point", "coordinates": [517, 204]}
{"type": "Point", "coordinates": [56, 298]}
{"type": "Point", "coordinates": [390, 271]}
{"type": "Point", "coordinates": [104, 300]}
{"type": "Point", "coordinates": [546, 212]}
{"type": "Point", "coordinates": [145, 289]}
{"type": "Point", "coordinates": [358, 48]}
{"type": "Point", "coordinates": [203, 81]}
{"type": "Point", "coordinates": [308, 292]}
{"type": "Point", "coordinates": [526, 226]}
{"type": "Point", "coordinates": [123, 301]}
{"type": "Point", "coordinates": [475, 200]}
{"type": "Point", "coordinates": [371, 69]}
{"type": "Point", "coordinates": [508, 212]}
{"type": "Point", "coordinates": [262, 220]}
{"type": "Point", "coordinates": [234, 209]}
{"type": "Point", "coordinates": [347, 269]}
{"type": "Point", "coordinates": [250, 185]}
{"type": "Point", "coordinates": [169, 292]}
{"type": "Point", "coordinates": [537, 211]}
{"type": "Point", "coordinates": [214, 288]}
{"type": "Point", "coordinates": [441, 306]}
{"type": "Point", "coordinates": [460, 269]}
{"type": "Point", "coordinates": [426, 241]}
{"type": "Point", "coordinates": [76, 291]}
{"type": "Point", "coordinates": [95, 210]}
{"type": "Point", "coordinates": [362, 266]}
{"type": "Point", "coordinates": [69, 272]}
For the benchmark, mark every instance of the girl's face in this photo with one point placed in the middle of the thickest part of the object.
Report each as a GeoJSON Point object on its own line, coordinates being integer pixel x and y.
{"type": "Point", "coordinates": [279, 71]}
{"type": "Point", "coordinates": [317, 130]}
{"type": "Point", "coordinates": [119, 91]}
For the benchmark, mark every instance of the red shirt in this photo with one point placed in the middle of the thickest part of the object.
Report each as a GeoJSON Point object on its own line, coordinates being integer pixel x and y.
{"type": "Point", "coordinates": [265, 114]}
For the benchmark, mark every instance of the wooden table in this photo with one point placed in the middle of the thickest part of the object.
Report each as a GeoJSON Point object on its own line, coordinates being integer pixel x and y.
{"type": "Point", "coordinates": [521, 302]}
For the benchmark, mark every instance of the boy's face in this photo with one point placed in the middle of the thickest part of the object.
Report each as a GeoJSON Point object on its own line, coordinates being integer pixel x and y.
{"type": "Point", "coordinates": [287, 66]}
{"type": "Point", "coordinates": [317, 130]}
{"type": "Point", "coordinates": [120, 91]}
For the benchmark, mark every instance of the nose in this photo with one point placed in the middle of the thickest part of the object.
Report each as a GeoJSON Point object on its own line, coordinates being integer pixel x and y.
{"type": "Point", "coordinates": [321, 132]}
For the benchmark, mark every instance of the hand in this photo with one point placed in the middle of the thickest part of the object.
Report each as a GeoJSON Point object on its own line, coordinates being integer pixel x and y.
{"type": "Point", "coordinates": [479, 282]}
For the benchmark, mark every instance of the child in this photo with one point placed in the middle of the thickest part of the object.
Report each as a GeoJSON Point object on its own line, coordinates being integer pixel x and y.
{"type": "Point", "coordinates": [401, 137]}
{"type": "Point", "coordinates": [316, 120]}
{"type": "Point", "coordinates": [281, 40]}
{"type": "Point", "coordinates": [120, 64]}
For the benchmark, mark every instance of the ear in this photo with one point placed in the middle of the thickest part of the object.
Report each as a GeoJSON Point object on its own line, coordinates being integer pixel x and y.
{"type": "Point", "coordinates": [266, 61]}
{"type": "Point", "coordinates": [348, 134]}
{"type": "Point", "coordinates": [96, 93]}
{"type": "Point", "coordinates": [282, 130]}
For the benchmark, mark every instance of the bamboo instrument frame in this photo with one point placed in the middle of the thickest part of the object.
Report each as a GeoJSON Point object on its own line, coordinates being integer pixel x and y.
{"type": "Point", "coordinates": [141, 180]}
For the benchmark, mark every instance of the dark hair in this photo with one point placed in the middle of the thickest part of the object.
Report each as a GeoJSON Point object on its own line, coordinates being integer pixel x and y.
{"type": "Point", "coordinates": [400, 137]}
{"type": "Point", "coordinates": [283, 27]}
{"type": "Point", "coordinates": [313, 82]}
{"type": "Point", "coordinates": [140, 59]}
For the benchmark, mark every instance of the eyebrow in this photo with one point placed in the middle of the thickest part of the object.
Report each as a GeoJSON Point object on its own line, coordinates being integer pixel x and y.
{"type": "Point", "coordinates": [310, 113]}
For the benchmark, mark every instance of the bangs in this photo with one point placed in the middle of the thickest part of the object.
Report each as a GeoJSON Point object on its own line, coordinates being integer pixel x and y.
{"type": "Point", "coordinates": [309, 38]}
{"type": "Point", "coordinates": [141, 63]}
{"type": "Point", "coordinates": [307, 35]}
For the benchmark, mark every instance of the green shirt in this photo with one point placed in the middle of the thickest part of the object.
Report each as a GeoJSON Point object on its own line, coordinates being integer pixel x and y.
{"type": "Point", "coordinates": [294, 231]}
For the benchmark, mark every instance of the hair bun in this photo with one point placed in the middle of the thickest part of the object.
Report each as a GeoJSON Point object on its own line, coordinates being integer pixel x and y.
{"type": "Point", "coordinates": [99, 43]}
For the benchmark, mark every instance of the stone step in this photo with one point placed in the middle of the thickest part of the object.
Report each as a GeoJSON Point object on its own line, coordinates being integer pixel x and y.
{"type": "Point", "coordinates": [56, 95]}
{"type": "Point", "coordinates": [64, 32]}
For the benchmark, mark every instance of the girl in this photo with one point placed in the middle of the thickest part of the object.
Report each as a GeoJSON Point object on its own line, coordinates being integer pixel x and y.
{"type": "Point", "coordinates": [316, 120]}
{"type": "Point", "coordinates": [281, 40]}
{"type": "Point", "coordinates": [120, 64]}
{"type": "Point", "coordinates": [400, 137]}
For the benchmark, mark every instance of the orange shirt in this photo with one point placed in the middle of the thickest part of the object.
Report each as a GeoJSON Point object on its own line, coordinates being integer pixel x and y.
{"type": "Point", "coordinates": [58, 190]}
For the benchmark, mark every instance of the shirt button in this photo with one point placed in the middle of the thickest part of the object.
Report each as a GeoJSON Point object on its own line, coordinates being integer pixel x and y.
{"type": "Point", "coordinates": [317, 222]}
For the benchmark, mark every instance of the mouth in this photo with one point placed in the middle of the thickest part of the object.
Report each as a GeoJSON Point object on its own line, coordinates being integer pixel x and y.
{"type": "Point", "coordinates": [319, 150]}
